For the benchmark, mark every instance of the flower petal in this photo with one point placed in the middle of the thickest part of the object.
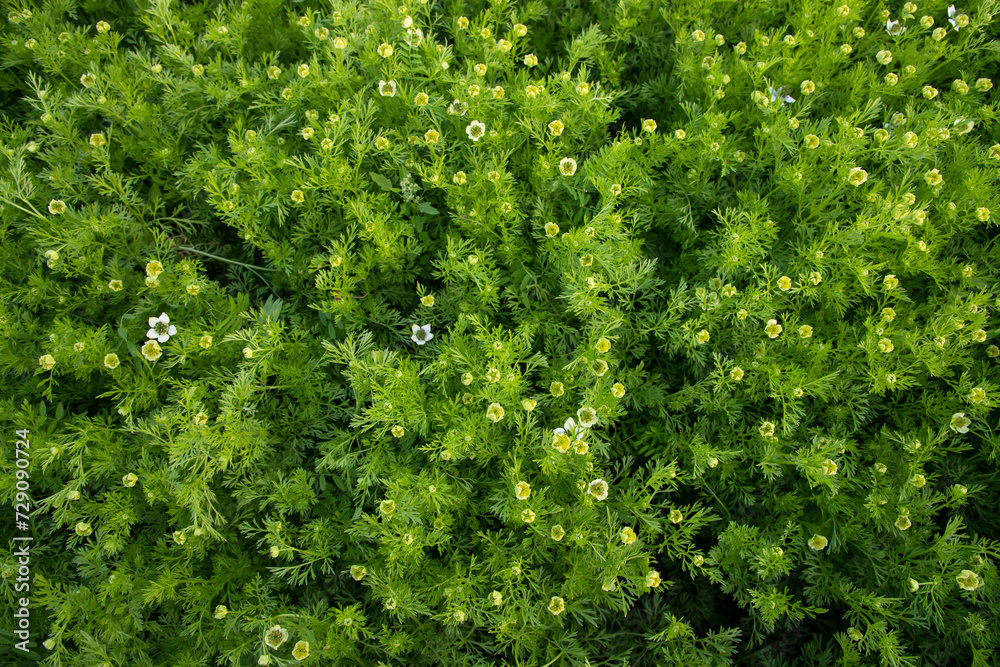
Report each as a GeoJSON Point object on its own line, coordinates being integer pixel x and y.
{"type": "Point", "coordinates": [164, 318]}
{"type": "Point", "coordinates": [415, 329]}
{"type": "Point", "coordinates": [151, 333]}
{"type": "Point", "coordinates": [164, 338]}
{"type": "Point", "coordinates": [153, 321]}
{"type": "Point", "coordinates": [172, 330]}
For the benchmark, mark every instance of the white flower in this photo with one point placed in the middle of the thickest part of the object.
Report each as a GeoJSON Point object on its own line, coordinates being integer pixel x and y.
{"type": "Point", "coordinates": [569, 427]}
{"type": "Point", "coordinates": [276, 636]}
{"type": "Point", "coordinates": [960, 423]}
{"type": "Point", "coordinates": [476, 130]}
{"type": "Point", "coordinates": [598, 488]}
{"type": "Point", "coordinates": [387, 88]}
{"type": "Point", "coordinates": [951, 17]}
{"type": "Point", "coordinates": [893, 27]}
{"type": "Point", "coordinates": [160, 328]}
{"type": "Point", "coordinates": [775, 94]}
{"type": "Point", "coordinates": [421, 334]}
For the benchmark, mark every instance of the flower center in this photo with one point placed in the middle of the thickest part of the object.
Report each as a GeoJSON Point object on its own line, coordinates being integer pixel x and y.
{"type": "Point", "coordinates": [160, 328]}
{"type": "Point", "coordinates": [421, 334]}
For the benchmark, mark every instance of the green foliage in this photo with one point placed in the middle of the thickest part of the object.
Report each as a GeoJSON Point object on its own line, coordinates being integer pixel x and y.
{"type": "Point", "coordinates": [521, 333]}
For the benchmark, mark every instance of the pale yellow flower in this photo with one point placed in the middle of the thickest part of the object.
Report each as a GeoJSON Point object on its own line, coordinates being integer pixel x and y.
{"type": "Point", "coordinates": [387, 507]}
{"type": "Point", "coordinates": [818, 542]}
{"type": "Point", "coordinates": [111, 360]}
{"type": "Point", "coordinates": [431, 136]}
{"type": "Point", "coordinates": [301, 650]}
{"type": "Point", "coordinates": [968, 580]}
{"type": "Point", "coordinates": [808, 87]}
{"type": "Point", "coordinates": [528, 404]}
{"type": "Point", "coordinates": [130, 479]}
{"type": "Point", "coordinates": [903, 522]}
{"type": "Point", "coordinates": [653, 579]}
{"type": "Point", "coordinates": [890, 281]}
{"type": "Point", "coordinates": [676, 516]}
{"type": "Point", "coordinates": [567, 166]}
{"type": "Point", "coordinates": [884, 57]}
{"type": "Point", "coordinates": [773, 329]}
{"type": "Point", "coordinates": [767, 429]}
{"type": "Point", "coordinates": [556, 388]}
{"type": "Point", "coordinates": [398, 431]}
{"type": "Point", "coordinates": [702, 336]}
{"type": "Point", "coordinates": [829, 467]}
{"type": "Point", "coordinates": [527, 516]}
{"type": "Point", "coordinates": [857, 176]}
{"type": "Point", "coordinates": [556, 127]}
{"type": "Point", "coordinates": [784, 283]}
{"type": "Point", "coordinates": [551, 229]}
{"type": "Point", "coordinates": [358, 572]}
{"type": "Point", "coordinates": [557, 533]}
{"type": "Point", "coordinates": [627, 535]}
{"type": "Point", "coordinates": [737, 373]}
{"type": "Point", "coordinates": [298, 196]}
{"type": "Point", "coordinates": [83, 529]}
{"type": "Point", "coordinates": [151, 350]}
{"type": "Point", "coordinates": [385, 50]}
{"type": "Point", "coordinates": [495, 412]}
{"type": "Point", "coordinates": [522, 490]}
{"type": "Point", "coordinates": [556, 606]}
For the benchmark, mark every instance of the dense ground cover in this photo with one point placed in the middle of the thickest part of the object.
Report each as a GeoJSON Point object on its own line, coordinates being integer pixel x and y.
{"type": "Point", "coordinates": [522, 333]}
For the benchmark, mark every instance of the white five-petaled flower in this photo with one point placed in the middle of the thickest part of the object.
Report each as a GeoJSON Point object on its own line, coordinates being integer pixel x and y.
{"type": "Point", "coordinates": [476, 130]}
{"type": "Point", "coordinates": [598, 488]}
{"type": "Point", "coordinates": [893, 27]}
{"type": "Point", "coordinates": [160, 328]}
{"type": "Point", "coordinates": [387, 88]}
{"type": "Point", "coordinates": [276, 636]}
{"type": "Point", "coordinates": [785, 98]}
{"type": "Point", "coordinates": [960, 423]}
{"type": "Point", "coordinates": [421, 334]}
